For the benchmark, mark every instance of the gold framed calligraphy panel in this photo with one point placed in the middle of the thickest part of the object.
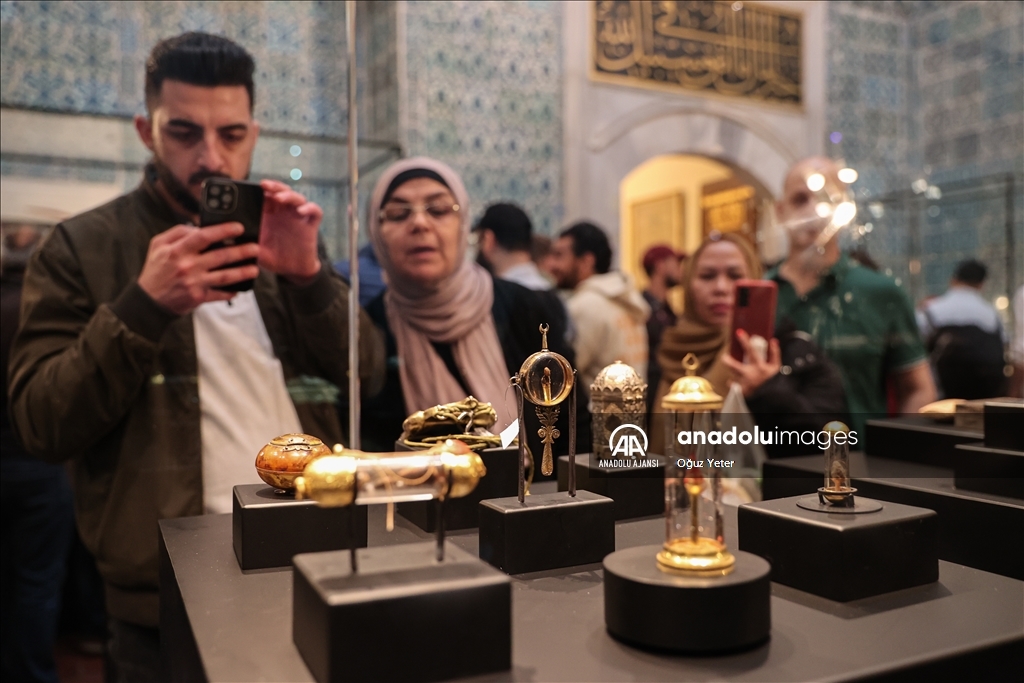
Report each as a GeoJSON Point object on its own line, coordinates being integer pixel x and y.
{"type": "Point", "coordinates": [706, 47]}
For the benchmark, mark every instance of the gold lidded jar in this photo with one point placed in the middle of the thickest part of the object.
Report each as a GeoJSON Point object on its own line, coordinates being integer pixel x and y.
{"type": "Point", "coordinates": [286, 456]}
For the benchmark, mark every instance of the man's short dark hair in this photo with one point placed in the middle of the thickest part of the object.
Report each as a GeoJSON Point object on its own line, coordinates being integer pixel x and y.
{"type": "Point", "coordinates": [971, 272]}
{"type": "Point", "coordinates": [587, 238]}
{"type": "Point", "coordinates": [198, 59]}
{"type": "Point", "coordinates": [510, 224]}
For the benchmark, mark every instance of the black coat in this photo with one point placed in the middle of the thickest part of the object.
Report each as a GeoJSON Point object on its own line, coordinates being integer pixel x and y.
{"type": "Point", "coordinates": [806, 394]}
{"type": "Point", "coordinates": [518, 313]}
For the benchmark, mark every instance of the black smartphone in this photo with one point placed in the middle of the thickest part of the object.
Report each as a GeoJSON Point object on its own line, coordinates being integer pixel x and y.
{"type": "Point", "coordinates": [232, 201]}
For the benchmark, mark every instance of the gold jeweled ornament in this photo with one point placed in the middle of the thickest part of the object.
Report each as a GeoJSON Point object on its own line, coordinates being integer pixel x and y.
{"type": "Point", "coordinates": [546, 379]}
{"type": "Point", "coordinates": [617, 397]}
{"type": "Point", "coordinates": [285, 457]}
{"type": "Point", "coordinates": [692, 403]}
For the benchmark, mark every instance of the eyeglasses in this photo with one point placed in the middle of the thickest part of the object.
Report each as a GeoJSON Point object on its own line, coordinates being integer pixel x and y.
{"type": "Point", "coordinates": [400, 212]}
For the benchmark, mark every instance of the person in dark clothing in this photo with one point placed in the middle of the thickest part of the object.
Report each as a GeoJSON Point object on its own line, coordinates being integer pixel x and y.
{"type": "Point", "coordinates": [133, 365]}
{"type": "Point", "coordinates": [451, 329]}
{"type": "Point", "coordinates": [38, 515]}
{"type": "Point", "coordinates": [662, 264]}
{"type": "Point", "coordinates": [371, 278]}
{"type": "Point", "coordinates": [805, 394]}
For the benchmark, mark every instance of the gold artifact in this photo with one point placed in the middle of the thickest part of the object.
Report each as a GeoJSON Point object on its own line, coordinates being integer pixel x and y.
{"type": "Point", "coordinates": [469, 420]}
{"type": "Point", "coordinates": [448, 470]}
{"type": "Point", "coordinates": [693, 404]}
{"type": "Point", "coordinates": [616, 398]}
{"type": "Point", "coordinates": [546, 379]}
{"type": "Point", "coordinates": [286, 456]}
{"type": "Point", "coordinates": [462, 417]}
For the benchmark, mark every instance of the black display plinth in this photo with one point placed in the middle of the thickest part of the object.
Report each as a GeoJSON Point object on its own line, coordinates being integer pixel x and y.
{"type": "Point", "coordinates": [990, 470]}
{"type": "Point", "coordinates": [1004, 424]}
{"type": "Point", "coordinates": [917, 439]}
{"type": "Point", "coordinates": [845, 556]}
{"type": "Point", "coordinates": [464, 513]}
{"type": "Point", "coordinates": [962, 514]}
{"type": "Point", "coordinates": [268, 528]}
{"type": "Point", "coordinates": [402, 617]}
{"type": "Point", "coordinates": [547, 531]}
{"type": "Point", "coordinates": [649, 608]}
{"type": "Point", "coordinates": [637, 491]}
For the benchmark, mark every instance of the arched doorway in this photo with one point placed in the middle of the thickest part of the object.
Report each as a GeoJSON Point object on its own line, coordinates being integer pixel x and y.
{"type": "Point", "coordinates": [678, 199]}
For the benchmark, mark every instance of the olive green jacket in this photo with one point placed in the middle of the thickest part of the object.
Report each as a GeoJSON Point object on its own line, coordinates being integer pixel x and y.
{"type": "Point", "coordinates": [103, 377]}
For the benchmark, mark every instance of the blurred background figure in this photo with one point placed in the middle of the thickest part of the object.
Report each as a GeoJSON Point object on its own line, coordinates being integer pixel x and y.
{"type": "Point", "coordinates": [965, 338]}
{"type": "Point", "coordinates": [608, 314]}
{"type": "Point", "coordinates": [504, 235]}
{"type": "Point", "coordinates": [371, 277]}
{"type": "Point", "coordinates": [861, 319]}
{"type": "Point", "coordinates": [794, 387]}
{"type": "Point", "coordinates": [1017, 345]}
{"type": "Point", "coordinates": [541, 252]}
{"type": "Point", "coordinates": [38, 516]}
{"type": "Point", "coordinates": [663, 266]}
{"type": "Point", "coordinates": [504, 247]}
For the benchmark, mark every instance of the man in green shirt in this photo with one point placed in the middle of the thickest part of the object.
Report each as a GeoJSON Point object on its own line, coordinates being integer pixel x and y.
{"type": "Point", "coordinates": [861, 319]}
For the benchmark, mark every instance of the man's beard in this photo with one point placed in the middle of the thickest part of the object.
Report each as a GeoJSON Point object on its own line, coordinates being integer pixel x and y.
{"type": "Point", "coordinates": [177, 190]}
{"type": "Point", "coordinates": [568, 280]}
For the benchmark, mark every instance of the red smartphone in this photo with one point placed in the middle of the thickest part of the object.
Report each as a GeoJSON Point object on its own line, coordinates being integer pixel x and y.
{"type": "Point", "coordinates": [754, 312]}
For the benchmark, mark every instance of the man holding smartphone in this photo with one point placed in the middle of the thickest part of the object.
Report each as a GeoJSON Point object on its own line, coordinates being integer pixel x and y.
{"type": "Point", "coordinates": [861, 319]}
{"type": "Point", "coordinates": [159, 387]}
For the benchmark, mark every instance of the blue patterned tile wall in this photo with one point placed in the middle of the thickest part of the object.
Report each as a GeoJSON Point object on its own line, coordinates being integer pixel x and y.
{"type": "Point", "coordinates": [89, 57]}
{"type": "Point", "coordinates": [485, 95]}
{"type": "Point", "coordinates": [933, 91]}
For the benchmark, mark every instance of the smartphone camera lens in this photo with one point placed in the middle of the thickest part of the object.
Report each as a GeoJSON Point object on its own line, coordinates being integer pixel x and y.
{"type": "Point", "coordinates": [213, 202]}
{"type": "Point", "coordinates": [215, 190]}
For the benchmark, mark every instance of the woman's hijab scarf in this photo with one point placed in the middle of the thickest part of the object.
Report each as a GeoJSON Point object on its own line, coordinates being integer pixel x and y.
{"type": "Point", "coordinates": [457, 311]}
{"type": "Point", "coordinates": [692, 335]}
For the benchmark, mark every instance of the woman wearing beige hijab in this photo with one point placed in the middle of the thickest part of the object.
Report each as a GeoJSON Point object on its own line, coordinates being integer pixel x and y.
{"type": "Point", "coordinates": [451, 329]}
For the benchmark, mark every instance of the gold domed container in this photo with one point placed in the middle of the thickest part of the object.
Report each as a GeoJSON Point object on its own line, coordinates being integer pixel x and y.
{"type": "Point", "coordinates": [692, 404]}
{"type": "Point", "coordinates": [286, 457]}
{"type": "Point", "coordinates": [617, 397]}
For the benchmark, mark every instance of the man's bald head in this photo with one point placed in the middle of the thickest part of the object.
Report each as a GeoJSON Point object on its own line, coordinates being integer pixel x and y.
{"type": "Point", "coordinates": [796, 201]}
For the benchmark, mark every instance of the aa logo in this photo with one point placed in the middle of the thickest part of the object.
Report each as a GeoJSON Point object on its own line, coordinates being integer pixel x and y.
{"type": "Point", "coordinates": [628, 441]}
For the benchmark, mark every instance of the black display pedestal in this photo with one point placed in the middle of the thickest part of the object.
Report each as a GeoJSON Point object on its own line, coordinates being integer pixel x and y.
{"type": "Point", "coordinates": [1004, 424]}
{"type": "Point", "coordinates": [464, 513]}
{"type": "Point", "coordinates": [842, 556]}
{"type": "Point", "coordinates": [268, 528]}
{"type": "Point", "coordinates": [917, 439]}
{"type": "Point", "coordinates": [989, 470]}
{"type": "Point", "coordinates": [962, 514]}
{"type": "Point", "coordinates": [647, 607]}
{"type": "Point", "coordinates": [403, 616]}
{"type": "Point", "coordinates": [547, 531]}
{"type": "Point", "coordinates": [637, 491]}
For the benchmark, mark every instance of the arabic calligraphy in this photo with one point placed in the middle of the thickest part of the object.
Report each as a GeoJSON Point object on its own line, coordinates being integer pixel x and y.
{"type": "Point", "coordinates": [729, 48]}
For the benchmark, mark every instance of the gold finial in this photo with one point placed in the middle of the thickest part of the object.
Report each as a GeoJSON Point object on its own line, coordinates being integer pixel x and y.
{"type": "Point", "coordinates": [690, 364]}
{"type": "Point", "coordinates": [544, 336]}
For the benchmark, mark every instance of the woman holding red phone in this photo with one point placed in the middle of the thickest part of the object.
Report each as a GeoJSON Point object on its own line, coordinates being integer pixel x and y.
{"type": "Point", "coordinates": [792, 386]}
